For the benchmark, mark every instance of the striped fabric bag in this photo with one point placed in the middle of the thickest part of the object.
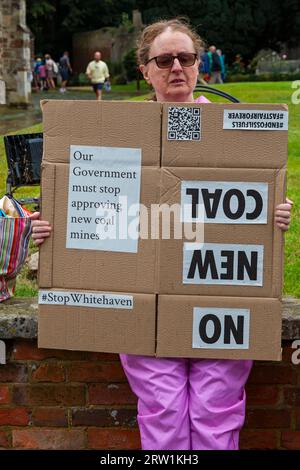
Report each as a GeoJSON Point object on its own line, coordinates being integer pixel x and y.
{"type": "Point", "coordinates": [14, 241]}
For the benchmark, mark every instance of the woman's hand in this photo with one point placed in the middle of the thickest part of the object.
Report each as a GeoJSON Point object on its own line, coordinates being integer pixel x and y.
{"type": "Point", "coordinates": [283, 215]}
{"type": "Point", "coordinates": [41, 229]}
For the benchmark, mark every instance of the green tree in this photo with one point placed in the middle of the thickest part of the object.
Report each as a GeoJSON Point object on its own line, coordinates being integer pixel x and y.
{"type": "Point", "coordinates": [130, 65]}
{"type": "Point", "coordinates": [53, 22]}
{"type": "Point", "coordinates": [235, 26]}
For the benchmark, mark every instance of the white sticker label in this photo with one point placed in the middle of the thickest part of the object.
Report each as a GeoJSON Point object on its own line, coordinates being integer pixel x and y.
{"type": "Point", "coordinates": [255, 119]}
{"type": "Point", "coordinates": [85, 299]}
{"type": "Point", "coordinates": [104, 197]}
{"type": "Point", "coordinates": [184, 123]}
{"type": "Point", "coordinates": [224, 202]}
{"type": "Point", "coordinates": [221, 328]}
{"type": "Point", "coordinates": [214, 263]}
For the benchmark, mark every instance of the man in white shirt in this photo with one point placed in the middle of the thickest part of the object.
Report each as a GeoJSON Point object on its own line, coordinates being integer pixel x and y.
{"type": "Point", "coordinates": [98, 73]}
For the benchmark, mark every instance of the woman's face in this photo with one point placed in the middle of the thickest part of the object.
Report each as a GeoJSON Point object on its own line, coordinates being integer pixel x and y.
{"type": "Point", "coordinates": [175, 83]}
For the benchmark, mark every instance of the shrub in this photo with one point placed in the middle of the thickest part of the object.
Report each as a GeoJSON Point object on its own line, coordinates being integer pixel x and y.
{"type": "Point", "coordinates": [264, 77]}
{"type": "Point", "coordinates": [119, 80]}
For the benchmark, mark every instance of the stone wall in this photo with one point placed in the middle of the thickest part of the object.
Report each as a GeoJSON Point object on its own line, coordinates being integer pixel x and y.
{"type": "Point", "coordinates": [15, 55]}
{"type": "Point", "coordinates": [112, 42]}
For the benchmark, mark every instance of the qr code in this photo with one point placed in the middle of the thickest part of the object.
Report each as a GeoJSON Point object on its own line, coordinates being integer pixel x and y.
{"type": "Point", "coordinates": [184, 123]}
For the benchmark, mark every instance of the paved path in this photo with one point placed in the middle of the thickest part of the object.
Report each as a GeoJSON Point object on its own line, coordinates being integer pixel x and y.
{"type": "Point", "coordinates": [12, 119]}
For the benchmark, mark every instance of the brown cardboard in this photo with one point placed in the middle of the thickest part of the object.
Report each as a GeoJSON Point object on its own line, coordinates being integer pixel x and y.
{"type": "Point", "coordinates": [266, 235]}
{"type": "Point", "coordinates": [90, 269]}
{"type": "Point", "coordinates": [118, 124]}
{"type": "Point", "coordinates": [156, 267]}
{"type": "Point", "coordinates": [220, 148]}
{"type": "Point", "coordinates": [100, 329]}
{"type": "Point", "coordinates": [175, 325]}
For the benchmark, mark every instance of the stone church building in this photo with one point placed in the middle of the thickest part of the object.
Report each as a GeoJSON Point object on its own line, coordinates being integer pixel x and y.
{"type": "Point", "coordinates": [15, 64]}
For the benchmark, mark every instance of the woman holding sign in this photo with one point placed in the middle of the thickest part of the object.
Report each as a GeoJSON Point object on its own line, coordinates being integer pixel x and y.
{"type": "Point", "coordinates": [184, 404]}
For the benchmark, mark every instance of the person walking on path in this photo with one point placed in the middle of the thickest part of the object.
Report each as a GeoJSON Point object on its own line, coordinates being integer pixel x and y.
{"type": "Point", "coordinates": [51, 71]}
{"type": "Point", "coordinates": [64, 69]}
{"type": "Point", "coordinates": [97, 72]}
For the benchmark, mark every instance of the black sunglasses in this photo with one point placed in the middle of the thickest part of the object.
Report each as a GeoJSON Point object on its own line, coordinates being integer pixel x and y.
{"type": "Point", "coordinates": [164, 61]}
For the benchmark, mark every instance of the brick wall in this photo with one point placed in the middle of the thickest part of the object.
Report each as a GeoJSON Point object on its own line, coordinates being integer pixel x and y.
{"type": "Point", "coordinates": [74, 400]}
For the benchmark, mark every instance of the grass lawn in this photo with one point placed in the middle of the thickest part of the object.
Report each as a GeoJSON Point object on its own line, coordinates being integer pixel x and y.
{"type": "Point", "coordinates": [262, 92]}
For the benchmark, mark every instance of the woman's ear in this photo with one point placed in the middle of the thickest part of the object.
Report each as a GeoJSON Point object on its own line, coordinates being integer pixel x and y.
{"type": "Point", "coordinates": [144, 71]}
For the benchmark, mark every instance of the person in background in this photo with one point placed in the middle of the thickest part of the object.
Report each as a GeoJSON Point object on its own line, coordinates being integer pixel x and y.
{"type": "Point", "coordinates": [183, 404]}
{"type": "Point", "coordinates": [40, 70]}
{"type": "Point", "coordinates": [65, 70]}
{"type": "Point", "coordinates": [97, 72]}
{"type": "Point", "coordinates": [215, 66]}
{"type": "Point", "coordinates": [204, 69]}
{"type": "Point", "coordinates": [222, 61]}
{"type": "Point", "coordinates": [51, 70]}
{"type": "Point", "coordinates": [35, 84]}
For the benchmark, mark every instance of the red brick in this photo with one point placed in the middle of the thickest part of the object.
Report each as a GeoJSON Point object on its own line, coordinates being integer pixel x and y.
{"type": "Point", "coordinates": [290, 440]}
{"type": "Point", "coordinates": [273, 374]}
{"type": "Point", "coordinates": [105, 357]}
{"type": "Point", "coordinates": [4, 440]}
{"type": "Point", "coordinates": [114, 439]}
{"type": "Point", "coordinates": [48, 372]}
{"type": "Point", "coordinates": [268, 419]}
{"type": "Point", "coordinates": [287, 353]}
{"type": "Point", "coordinates": [91, 372]}
{"type": "Point", "coordinates": [4, 394]}
{"type": "Point", "coordinates": [13, 373]}
{"type": "Point", "coordinates": [111, 394]}
{"type": "Point", "coordinates": [104, 417]}
{"type": "Point", "coordinates": [49, 395]}
{"type": "Point", "coordinates": [49, 417]}
{"type": "Point", "coordinates": [14, 417]}
{"type": "Point", "coordinates": [27, 350]}
{"type": "Point", "coordinates": [292, 396]}
{"type": "Point", "coordinates": [265, 439]}
{"type": "Point", "coordinates": [54, 439]}
{"type": "Point", "coordinates": [262, 395]}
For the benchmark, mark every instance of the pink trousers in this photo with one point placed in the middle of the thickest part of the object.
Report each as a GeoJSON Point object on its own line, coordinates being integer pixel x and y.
{"type": "Point", "coordinates": [188, 404]}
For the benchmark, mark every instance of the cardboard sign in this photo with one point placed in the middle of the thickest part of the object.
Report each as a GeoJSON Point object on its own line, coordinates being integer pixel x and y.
{"type": "Point", "coordinates": [218, 327]}
{"type": "Point", "coordinates": [103, 183]}
{"type": "Point", "coordinates": [214, 263]}
{"type": "Point", "coordinates": [102, 290]}
{"type": "Point", "coordinates": [238, 222]}
{"type": "Point", "coordinates": [224, 202]}
{"type": "Point", "coordinates": [222, 148]}
{"type": "Point", "coordinates": [184, 123]}
{"type": "Point", "coordinates": [221, 328]}
{"type": "Point", "coordinates": [97, 321]}
{"type": "Point", "coordinates": [255, 119]}
{"type": "Point", "coordinates": [85, 299]}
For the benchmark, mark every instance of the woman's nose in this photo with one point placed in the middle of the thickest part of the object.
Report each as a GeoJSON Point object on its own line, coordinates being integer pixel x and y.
{"type": "Point", "coordinates": [176, 65]}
